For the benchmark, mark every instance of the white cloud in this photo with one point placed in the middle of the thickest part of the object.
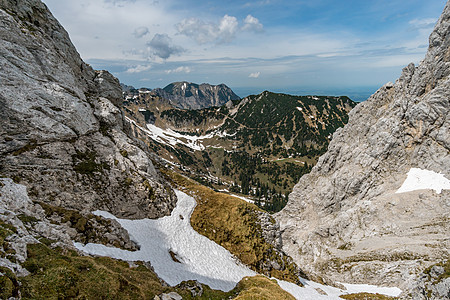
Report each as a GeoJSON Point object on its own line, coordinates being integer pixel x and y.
{"type": "Point", "coordinates": [140, 32]}
{"type": "Point", "coordinates": [162, 46]}
{"type": "Point", "coordinates": [138, 69]}
{"type": "Point", "coordinates": [202, 32]}
{"type": "Point", "coordinates": [227, 28]}
{"type": "Point", "coordinates": [423, 23]}
{"type": "Point", "coordinates": [252, 24]}
{"type": "Point", "coordinates": [179, 70]}
{"type": "Point", "coordinates": [119, 3]}
{"type": "Point", "coordinates": [254, 75]}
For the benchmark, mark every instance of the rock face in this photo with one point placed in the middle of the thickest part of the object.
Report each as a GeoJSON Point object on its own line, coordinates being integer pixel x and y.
{"type": "Point", "coordinates": [344, 219]}
{"type": "Point", "coordinates": [187, 95]}
{"type": "Point", "coordinates": [31, 223]}
{"type": "Point", "coordinates": [61, 133]}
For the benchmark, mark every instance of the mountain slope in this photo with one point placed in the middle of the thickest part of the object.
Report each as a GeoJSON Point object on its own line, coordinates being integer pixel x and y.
{"type": "Point", "coordinates": [189, 95]}
{"type": "Point", "coordinates": [259, 146]}
{"type": "Point", "coordinates": [345, 219]}
{"type": "Point", "coordinates": [65, 151]}
{"type": "Point", "coordinates": [60, 131]}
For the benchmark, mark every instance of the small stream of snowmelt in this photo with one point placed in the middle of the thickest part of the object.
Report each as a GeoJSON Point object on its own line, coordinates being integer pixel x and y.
{"type": "Point", "coordinates": [200, 258]}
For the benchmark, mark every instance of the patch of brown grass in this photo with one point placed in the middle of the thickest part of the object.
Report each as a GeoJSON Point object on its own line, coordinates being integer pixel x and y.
{"type": "Point", "coordinates": [366, 296]}
{"type": "Point", "coordinates": [261, 288]}
{"type": "Point", "coordinates": [232, 223]}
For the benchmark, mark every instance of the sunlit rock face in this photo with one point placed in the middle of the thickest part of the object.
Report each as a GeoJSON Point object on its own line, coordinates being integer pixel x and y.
{"type": "Point", "coordinates": [61, 133]}
{"type": "Point", "coordinates": [188, 95]}
{"type": "Point", "coordinates": [345, 220]}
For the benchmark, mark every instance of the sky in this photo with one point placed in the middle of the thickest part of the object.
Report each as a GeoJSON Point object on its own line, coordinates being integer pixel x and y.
{"type": "Point", "coordinates": [332, 47]}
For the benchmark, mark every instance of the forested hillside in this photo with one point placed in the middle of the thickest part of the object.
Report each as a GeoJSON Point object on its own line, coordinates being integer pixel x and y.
{"type": "Point", "coordinates": [259, 146]}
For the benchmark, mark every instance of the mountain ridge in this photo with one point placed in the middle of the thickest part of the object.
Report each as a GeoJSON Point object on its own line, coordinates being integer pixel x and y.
{"type": "Point", "coordinates": [188, 95]}
{"type": "Point", "coordinates": [226, 145]}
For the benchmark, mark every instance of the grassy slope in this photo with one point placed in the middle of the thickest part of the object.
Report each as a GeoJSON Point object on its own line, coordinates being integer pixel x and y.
{"type": "Point", "coordinates": [63, 274]}
{"type": "Point", "coordinates": [231, 223]}
{"type": "Point", "coordinates": [261, 288]}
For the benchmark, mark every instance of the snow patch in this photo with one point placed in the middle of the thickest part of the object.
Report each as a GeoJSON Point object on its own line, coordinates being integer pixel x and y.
{"type": "Point", "coordinates": [419, 179]}
{"type": "Point", "coordinates": [171, 137]}
{"type": "Point", "coordinates": [310, 290]}
{"type": "Point", "coordinates": [359, 288]}
{"type": "Point", "coordinates": [243, 198]}
{"type": "Point", "coordinates": [201, 259]}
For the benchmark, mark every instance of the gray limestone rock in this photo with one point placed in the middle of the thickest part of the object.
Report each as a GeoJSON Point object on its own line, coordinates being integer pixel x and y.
{"type": "Point", "coordinates": [31, 223]}
{"type": "Point", "coordinates": [61, 132]}
{"type": "Point", "coordinates": [188, 95]}
{"type": "Point", "coordinates": [344, 220]}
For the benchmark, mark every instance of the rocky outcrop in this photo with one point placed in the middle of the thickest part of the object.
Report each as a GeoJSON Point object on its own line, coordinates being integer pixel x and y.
{"type": "Point", "coordinates": [29, 223]}
{"type": "Point", "coordinates": [344, 219]}
{"type": "Point", "coordinates": [61, 134]}
{"type": "Point", "coordinates": [187, 95]}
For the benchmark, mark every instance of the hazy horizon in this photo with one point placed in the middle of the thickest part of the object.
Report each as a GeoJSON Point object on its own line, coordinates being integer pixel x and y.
{"type": "Point", "coordinates": [331, 47]}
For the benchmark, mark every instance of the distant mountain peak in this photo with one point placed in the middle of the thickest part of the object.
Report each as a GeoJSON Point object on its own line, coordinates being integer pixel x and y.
{"type": "Point", "coordinates": [189, 95]}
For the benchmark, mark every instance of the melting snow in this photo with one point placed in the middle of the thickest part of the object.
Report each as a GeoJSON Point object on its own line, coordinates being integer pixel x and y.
{"type": "Point", "coordinates": [171, 137]}
{"type": "Point", "coordinates": [311, 289]}
{"type": "Point", "coordinates": [419, 179]}
{"type": "Point", "coordinates": [200, 258]}
{"type": "Point", "coordinates": [243, 198]}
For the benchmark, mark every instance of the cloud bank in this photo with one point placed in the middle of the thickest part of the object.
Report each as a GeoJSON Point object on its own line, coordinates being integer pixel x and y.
{"type": "Point", "coordinates": [221, 32]}
{"type": "Point", "coordinates": [179, 70]}
{"type": "Point", "coordinates": [140, 32]}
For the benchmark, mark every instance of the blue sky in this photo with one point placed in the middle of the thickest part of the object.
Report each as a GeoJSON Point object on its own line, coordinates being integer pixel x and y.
{"type": "Point", "coordinates": [339, 47]}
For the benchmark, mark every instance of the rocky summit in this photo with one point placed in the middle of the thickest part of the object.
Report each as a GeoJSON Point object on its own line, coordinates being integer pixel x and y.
{"type": "Point", "coordinates": [348, 221]}
{"type": "Point", "coordinates": [188, 95]}
{"type": "Point", "coordinates": [61, 133]}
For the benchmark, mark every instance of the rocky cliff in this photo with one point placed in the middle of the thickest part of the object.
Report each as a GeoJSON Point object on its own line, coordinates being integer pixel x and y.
{"type": "Point", "coordinates": [187, 95]}
{"type": "Point", "coordinates": [61, 133]}
{"type": "Point", "coordinates": [345, 220]}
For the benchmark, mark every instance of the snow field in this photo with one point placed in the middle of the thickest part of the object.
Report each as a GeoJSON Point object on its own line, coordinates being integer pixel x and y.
{"type": "Point", "coordinates": [419, 179]}
{"type": "Point", "coordinates": [199, 258]}
{"type": "Point", "coordinates": [311, 289]}
{"type": "Point", "coordinates": [171, 138]}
